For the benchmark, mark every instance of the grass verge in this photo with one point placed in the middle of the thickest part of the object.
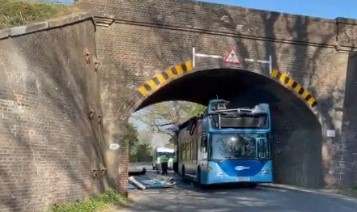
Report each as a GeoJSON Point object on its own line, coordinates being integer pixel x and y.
{"type": "Point", "coordinates": [106, 202]}
{"type": "Point", "coordinates": [17, 12]}
{"type": "Point", "coordinates": [349, 191]}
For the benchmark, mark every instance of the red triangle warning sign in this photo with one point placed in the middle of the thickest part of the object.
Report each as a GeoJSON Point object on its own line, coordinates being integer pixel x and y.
{"type": "Point", "coordinates": [232, 57]}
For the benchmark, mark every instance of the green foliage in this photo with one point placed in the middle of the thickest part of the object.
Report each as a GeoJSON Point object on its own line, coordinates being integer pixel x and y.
{"type": "Point", "coordinates": [131, 135]}
{"type": "Point", "coordinates": [142, 153]}
{"type": "Point", "coordinates": [97, 203]}
{"type": "Point", "coordinates": [138, 150]}
{"type": "Point", "coordinates": [349, 191]}
{"type": "Point", "coordinates": [16, 13]}
{"type": "Point", "coordinates": [196, 109]}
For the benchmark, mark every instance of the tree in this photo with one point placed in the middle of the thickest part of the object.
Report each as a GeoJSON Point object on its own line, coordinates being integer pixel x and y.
{"type": "Point", "coordinates": [139, 144]}
{"type": "Point", "coordinates": [131, 135]}
{"type": "Point", "coordinates": [159, 117]}
{"type": "Point", "coordinates": [143, 153]}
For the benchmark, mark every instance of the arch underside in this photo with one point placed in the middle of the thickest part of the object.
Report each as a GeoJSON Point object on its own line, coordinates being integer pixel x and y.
{"type": "Point", "coordinates": [201, 86]}
{"type": "Point", "coordinates": [297, 137]}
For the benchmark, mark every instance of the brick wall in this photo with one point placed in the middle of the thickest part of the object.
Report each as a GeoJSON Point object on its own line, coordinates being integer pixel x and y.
{"type": "Point", "coordinates": [48, 144]}
{"type": "Point", "coordinates": [149, 36]}
{"type": "Point", "coordinates": [135, 53]}
{"type": "Point", "coordinates": [219, 18]}
{"type": "Point", "coordinates": [347, 172]}
{"type": "Point", "coordinates": [297, 146]}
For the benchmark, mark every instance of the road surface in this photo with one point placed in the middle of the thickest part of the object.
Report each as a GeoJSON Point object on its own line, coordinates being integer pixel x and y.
{"type": "Point", "coordinates": [187, 198]}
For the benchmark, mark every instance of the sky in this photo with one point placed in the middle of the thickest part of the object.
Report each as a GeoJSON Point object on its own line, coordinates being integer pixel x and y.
{"type": "Point", "coordinates": [329, 9]}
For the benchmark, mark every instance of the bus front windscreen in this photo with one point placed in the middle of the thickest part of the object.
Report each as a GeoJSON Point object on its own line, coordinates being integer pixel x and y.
{"type": "Point", "coordinates": [169, 154]}
{"type": "Point", "coordinates": [233, 120]}
{"type": "Point", "coordinates": [239, 146]}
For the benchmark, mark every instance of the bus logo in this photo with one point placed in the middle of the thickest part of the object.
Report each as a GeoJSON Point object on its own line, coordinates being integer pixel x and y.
{"type": "Point", "coordinates": [240, 168]}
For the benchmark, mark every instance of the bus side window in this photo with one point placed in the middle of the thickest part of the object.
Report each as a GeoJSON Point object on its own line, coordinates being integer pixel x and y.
{"type": "Point", "coordinates": [204, 143]}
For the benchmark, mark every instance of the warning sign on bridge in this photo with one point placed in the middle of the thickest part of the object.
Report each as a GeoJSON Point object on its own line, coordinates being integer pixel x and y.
{"type": "Point", "coordinates": [232, 57]}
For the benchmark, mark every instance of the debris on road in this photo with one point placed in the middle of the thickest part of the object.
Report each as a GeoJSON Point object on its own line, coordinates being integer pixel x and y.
{"type": "Point", "coordinates": [137, 172]}
{"type": "Point", "coordinates": [150, 182]}
{"type": "Point", "coordinates": [136, 183]}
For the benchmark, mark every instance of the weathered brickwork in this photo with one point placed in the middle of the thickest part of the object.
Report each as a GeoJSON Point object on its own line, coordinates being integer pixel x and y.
{"type": "Point", "coordinates": [124, 48]}
{"type": "Point", "coordinates": [146, 37]}
{"type": "Point", "coordinates": [219, 18]}
{"type": "Point", "coordinates": [59, 115]}
{"type": "Point", "coordinates": [348, 145]}
{"type": "Point", "coordinates": [49, 146]}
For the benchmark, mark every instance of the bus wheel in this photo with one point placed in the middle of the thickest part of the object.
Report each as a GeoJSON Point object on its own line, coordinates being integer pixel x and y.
{"type": "Point", "coordinates": [198, 183]}
{"type": "Point", "coordinates": [252, 185]}
{"type": "Point", "coordinates": [183, 174]}
{"type": "Point", "coordinates": [199, 176]}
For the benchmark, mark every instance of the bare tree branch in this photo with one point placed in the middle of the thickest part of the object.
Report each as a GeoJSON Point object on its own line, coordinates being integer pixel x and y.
{"type": "Point", "coordinates": [168, 113]}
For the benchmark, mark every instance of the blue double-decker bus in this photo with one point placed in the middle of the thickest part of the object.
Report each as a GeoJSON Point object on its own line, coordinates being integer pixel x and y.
{"type": "Point", "coordinates": [226, 145]}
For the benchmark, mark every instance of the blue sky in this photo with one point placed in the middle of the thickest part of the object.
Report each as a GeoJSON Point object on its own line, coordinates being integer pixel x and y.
{"type": "Point", "coordinates": [319, 8]}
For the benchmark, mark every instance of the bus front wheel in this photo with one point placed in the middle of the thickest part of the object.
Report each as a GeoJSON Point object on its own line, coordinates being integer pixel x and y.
{"type": "Point", "coordinates": [252, 185]}
{"type": "Point", "coordinates": [183, 172]}
{"type": "Point", "coordinates": [199, 176]}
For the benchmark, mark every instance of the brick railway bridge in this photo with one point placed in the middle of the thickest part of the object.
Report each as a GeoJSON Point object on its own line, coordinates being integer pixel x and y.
{"type": "Point", "coordinates": [69, 84]}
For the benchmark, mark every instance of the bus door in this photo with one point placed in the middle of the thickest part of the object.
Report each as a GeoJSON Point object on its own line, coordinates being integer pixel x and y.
{"type": "Point", "coordinates": [262, 148]}
{"type": "Point", "coordinates": [202, 149]}
{"type": "Point", "coordinates": [191, 166]}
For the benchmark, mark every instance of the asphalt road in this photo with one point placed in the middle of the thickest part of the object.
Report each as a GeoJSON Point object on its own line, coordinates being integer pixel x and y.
{"type": "Point", "coordinates": [187, 198]}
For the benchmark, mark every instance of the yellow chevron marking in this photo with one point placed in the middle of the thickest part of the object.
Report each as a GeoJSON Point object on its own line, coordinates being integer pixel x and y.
{"type": "Point", "coordinates": [297, 88]}
{"type": "Point", "coordinates": [188, 65]}
{"type": "Point", "coordinates": [290, 82]}
{"type": "Point", "coordinates": [161, 78]}
{"type": "Point", "coordinates": [304, 94]}
{"type": "Point", "coordinates": [283, 77]}
{"type": "Point", "coordinates": [143, 91]}
{"type": "Point", "coordinates": [170, 73]}
{"type": "Point", "coordinates": [274, 74]}
{"type": "Point", "coordinates": [152, 84]}
{"type": "Point", "coordinates": [311, 101]}
{"type": "Point", "coordinates": [179, 69]}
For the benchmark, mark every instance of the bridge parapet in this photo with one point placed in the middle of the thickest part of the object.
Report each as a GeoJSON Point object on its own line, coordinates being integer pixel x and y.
{"type": "Point", "coordinates": [216, 19]}
{"type": "Point", "coordinates": [346, 34]}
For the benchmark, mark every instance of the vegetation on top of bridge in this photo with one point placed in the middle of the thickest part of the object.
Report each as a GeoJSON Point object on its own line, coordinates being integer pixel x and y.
{"type": "Point", "coordinates": [17, 12]}
{"type": "Point", "coordinates": [108, 201]}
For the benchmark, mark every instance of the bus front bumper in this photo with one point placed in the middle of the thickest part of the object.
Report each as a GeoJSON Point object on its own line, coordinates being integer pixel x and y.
{"type": "Point", "coordinates": [215, 175]}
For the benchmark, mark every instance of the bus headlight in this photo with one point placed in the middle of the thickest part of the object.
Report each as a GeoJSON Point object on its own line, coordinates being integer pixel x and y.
{"type": "Point", "coordinates": [219, 173]}
{"type": "Point", "coordinates": [265, 172]}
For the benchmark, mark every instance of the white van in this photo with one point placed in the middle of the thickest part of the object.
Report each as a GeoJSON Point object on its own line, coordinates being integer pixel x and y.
{"type": "Point", "coordinates": [159, 151]}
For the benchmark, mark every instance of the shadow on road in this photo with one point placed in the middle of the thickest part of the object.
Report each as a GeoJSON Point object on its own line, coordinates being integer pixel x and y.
{"type": "Point", "coordinates": [211, 188]}
{"type": "Point", "coordinates": [186, 196]}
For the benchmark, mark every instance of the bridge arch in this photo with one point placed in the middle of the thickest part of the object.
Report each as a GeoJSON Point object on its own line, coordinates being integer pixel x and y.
{"type": "Point", "coordinates": [148, 92]}
{"type": "Point", "coordinates": [297, 132]}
